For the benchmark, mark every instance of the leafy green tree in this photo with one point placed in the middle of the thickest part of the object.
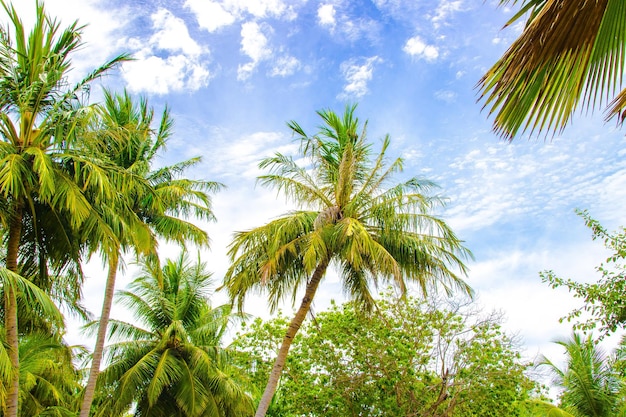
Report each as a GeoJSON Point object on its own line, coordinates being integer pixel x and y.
{"type": "Point", "coordinates": [150, 203]}
{"type": "Point", "coordinates": [604, 300]}
{"type": "Point", "coordinates": [352, 218]}
{"type": "Point", "coordinates": [591, 386]}
{"type": "Point", "coordinates": [172, 363]}
{"type": "Point", "coordinates": [409, 359]}
{"type": "Point", "coordinates": [38, 116]}
{"type": "Point", "coordinates": [570, 55]}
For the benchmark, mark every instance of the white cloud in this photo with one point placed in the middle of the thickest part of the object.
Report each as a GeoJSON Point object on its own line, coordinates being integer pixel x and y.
{"type": "Point", "coordinates": [172, 34]}
{"type": "Point", "coordinates": [262, 8]}
{"type": "Point", "coordinates": [285, 66]}
{"type": "Point", "coordinates": [254, 42]}
{"type": "Point", "coordinates": [255, 45]}
{"type": "Point", "coordinates": [169, 61]}
{"type": "Point", "coordinates": [416, 47]}
{"type": "Point", "coordinates": [446, 96]}
{"type": "Point", "coordinates": [96, 37]}
{"type": "Point", "coordinates": [163, 75]}
{"type": "Point", "coordinates": [444, 10]}
{"type": "Point", "coordinates": [236, 157]}
{"type": "Point", "coordinates": [357, 77]}
{"type": "Point", "coordinates": [501, 183]}
{"type": "Point", "coordinates": [335, 17]}
{"type": "Point", "coordinates": [326, 15]}
{"type": "Point", "coordinates": [211, 15]}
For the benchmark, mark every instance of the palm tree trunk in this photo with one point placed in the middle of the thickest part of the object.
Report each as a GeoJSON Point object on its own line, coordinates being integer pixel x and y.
{"type": "Point", "coordinates": [294, 326]}
{"type": "Point", "coordinates": [10, 308]}
{"type": "Point", "coordinates": [90, 389]}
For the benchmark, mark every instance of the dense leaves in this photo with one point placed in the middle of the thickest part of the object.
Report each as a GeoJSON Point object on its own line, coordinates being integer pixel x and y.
{"type": "Point", "coordinates": [410, 358]}
{"type": "Point", "coordinates": [40, 116]}
{"type": "Point", "coordinates": [590, 380]}
{"type": "Point", "coordinates": [172, 363]}
{"type": "Point", "coordinates": [151, 202]}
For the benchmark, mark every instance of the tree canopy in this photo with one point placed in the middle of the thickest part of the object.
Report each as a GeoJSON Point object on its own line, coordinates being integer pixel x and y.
{"type": "Point", "coordinates": [411, 358]}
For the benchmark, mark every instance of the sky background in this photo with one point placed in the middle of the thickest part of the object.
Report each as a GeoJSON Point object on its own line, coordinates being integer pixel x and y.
{"type": "Point", "coordinates": [233, 72]}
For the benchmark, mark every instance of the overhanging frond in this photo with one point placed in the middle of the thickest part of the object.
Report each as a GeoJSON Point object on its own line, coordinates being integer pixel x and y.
{"type": "Point", "coordinates": [569, 51]}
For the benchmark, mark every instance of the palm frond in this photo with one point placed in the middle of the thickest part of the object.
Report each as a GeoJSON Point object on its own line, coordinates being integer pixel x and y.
{"type": "Point", "coordinates": [293, 180]}
{"type": "Point", "coordinates": [568, 52]}
{"type": "Point", "coordinates": [31, 294]}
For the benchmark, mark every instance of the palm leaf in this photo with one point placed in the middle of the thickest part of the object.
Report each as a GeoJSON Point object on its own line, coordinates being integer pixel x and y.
{"type": "Point", "coordinates": [568, 52]}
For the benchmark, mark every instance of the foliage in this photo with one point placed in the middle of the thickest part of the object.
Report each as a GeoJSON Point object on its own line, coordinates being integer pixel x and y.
{"type": "Point", "coordinates": [604, 300]}
{"type": "Point", "coordinates": [353, 218]}
{"type": "Point", "coordinates": [570, 53]}
{"type": "Point", "coordinates": [151, 202]}
{"type": "Point", "coordinates": [408, 358]}
{"type": "Point", "coordinates": [40, 120]}
{"type": "Point", "coordinates": [171, 364]}
{"type": "Point", "coordinates": [590, 381]}
{"type": "Point", "coordinates": [49, 382]}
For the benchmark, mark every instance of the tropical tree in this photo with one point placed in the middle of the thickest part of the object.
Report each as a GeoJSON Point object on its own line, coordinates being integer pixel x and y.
{"type": "Point", "coordinates": [26, 294]}
{"type": "Point", "coordinates": [570, 54]}
{"type": "Point", "coordinates": [39, 113]}
{"type": "Point", "coordinates": [413, 358]}
{"type": "Point", "coordinates": [49, 382]}
{"type": "Point", "coordinates": [172, 363]}
{"type": "Point", "coordinates": [591, 385]}
{"type": "Point", "coordinates": [604, 301]}
{"type": "Point", "coordinates": [373, 233]}
{"type": "Point", "coordinates": [149, 203]}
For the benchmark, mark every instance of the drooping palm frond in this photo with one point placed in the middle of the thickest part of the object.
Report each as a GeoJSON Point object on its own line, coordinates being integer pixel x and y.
{"type": "Point", "coordinates": [30, 294]}
{"type": "Point", "coordinates": [270, 257]}
{"type": "Point", "coordinates": [570, 55]}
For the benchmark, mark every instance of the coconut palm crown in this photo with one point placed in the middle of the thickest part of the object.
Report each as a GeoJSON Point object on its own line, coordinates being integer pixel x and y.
{"type": "Point", "coordinates": [171, 363]}
{"type": "Point", "coordinates": [591, 386]}
{"type": "Point", "coordinates": [352, 218]}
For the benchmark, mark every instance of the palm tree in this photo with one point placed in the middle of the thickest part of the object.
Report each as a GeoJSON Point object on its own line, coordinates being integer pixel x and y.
{"type": "Point", "coordinates": [173, 364]}
{"type": "Point", "coordinates": [49, 382]}
{"type": "Point", "coordinates": [591, 387]}
{"type": "Point", "coordinates": [38, 116]}
{"type": "Point", "coordinates": [569, 51]}
{"type": "Point", "coordinates": [372, 232]}
{"type": "Point", "coordinates": [150, 204]}
{"type": "Point", "coordinates": [26, 294]}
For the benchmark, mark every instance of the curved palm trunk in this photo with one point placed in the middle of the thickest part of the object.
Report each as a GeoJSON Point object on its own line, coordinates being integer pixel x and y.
{"type": "Point", "coordinates": [294, 326]}
{"type": "Point", "coordinates": [102, 328]}
{"type": "Point", "coordinates": [10, 308]}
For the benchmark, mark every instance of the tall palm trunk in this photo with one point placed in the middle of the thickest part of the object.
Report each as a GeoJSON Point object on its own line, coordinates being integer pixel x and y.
{"type": "Point", "coordinates": [102, 328]}
{"type": "Point", "coordinates": [294, 326]}
{"type": "Point", "coordinates": [10, 310]}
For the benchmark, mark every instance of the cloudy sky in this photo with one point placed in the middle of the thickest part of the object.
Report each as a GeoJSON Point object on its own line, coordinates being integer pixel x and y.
{"type": "Point", "coordinates": [233, 72]}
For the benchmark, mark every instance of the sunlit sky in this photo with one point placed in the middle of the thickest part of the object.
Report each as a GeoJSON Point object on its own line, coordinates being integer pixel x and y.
{"type": "Point", "coordinates": [233, 72]}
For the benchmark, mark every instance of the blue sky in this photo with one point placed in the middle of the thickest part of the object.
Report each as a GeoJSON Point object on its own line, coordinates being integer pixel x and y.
{"type": "Point", "coordinates": [233, 72]}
